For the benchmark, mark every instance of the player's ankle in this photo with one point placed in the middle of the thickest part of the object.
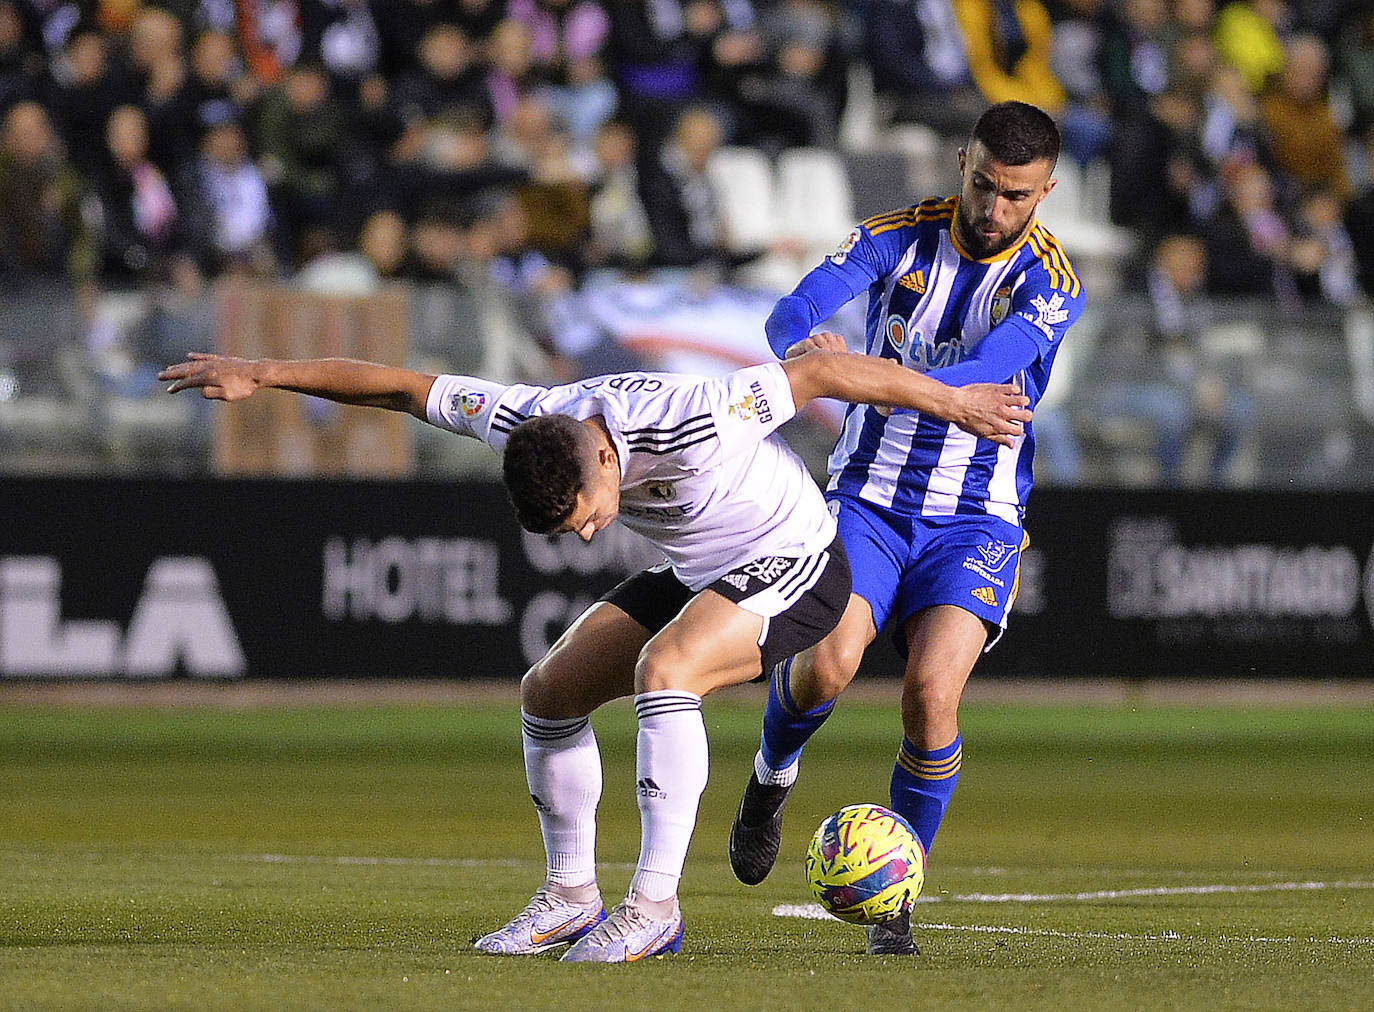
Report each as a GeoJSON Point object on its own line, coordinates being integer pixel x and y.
{"type": "Point", "coordinates": [588, 892]}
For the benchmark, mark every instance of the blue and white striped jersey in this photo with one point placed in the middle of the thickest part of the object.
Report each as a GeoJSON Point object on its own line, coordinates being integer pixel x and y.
{"type": "Point", "coordinates": [929, 306]}
{"type": "Point", "coordinates": [703, 474]}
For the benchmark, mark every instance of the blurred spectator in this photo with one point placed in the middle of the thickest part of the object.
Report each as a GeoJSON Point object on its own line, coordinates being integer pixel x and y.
{"type": "Point", "coordinates": [88, 88]}
{"type": "Point", "coordinates": [515, 288]}
{"type": "Point", "coordinates": [1323, 255]}
{"type": "Point", "coordinates": [532, 141]}
{"type": "Point", "coordinates": [656, 51]}
{"type": "Point", "coordinates": [401, 24]}
{"type": "Point", "coordinates": [1008, 43]}
{"type": "Point", "coordinates": [43, 233]}
{"type": "Point", "coordinates": [684, 216]}
{"type": "Point", "coordinates": [437, 244]}
{"type": "Point", "coordinates": [21, 64]}
{"type": "Point", "coordinates": [567, 43]}
{"type": "Point", "coordinates": [734, 53]}
{"type": "Point", "coordinates": [220, 87]}
{"type": "Point", "coordinates": [1135, 55]}
{"type": "Point", "coordinates": [553, 192]}
{"type": "Point", "coordinates": [510, 73]}
{"type": "Point", "coordinates": [158, 58]}
{"type": "Point", "coordinates": [269, 36]}
{"type": "Point", "coordinates": [1359, 218]}
{"type": "Point", "coordinates": [1159, 176]}
{"type": "Point", "coordinates": [447, 82]}
{"type": "Point", "coordinates": [795, 97]}
{"type": "Point", "coordinates": [1231, 129]}
{"type": "Point", "coordinates": [1296, 115]}
{"type": "Point", "coordinates": [378, 257]}
{"type": "Point", "coordinates": [921, 74]}
{"type": "Point", "coordinates": [341, 35]}
{"type": "Point", "coordinates": [301, 135]}
{"type": "Point", "coordinates": [478, 18]}
{"type": "Point", "coordinates": [1355, 63]}
{"type": "Point", "coordinates": [1076, 62]}
{"type": "Point", "coordinates": [1216, 408]}
{"type": "Point", "coordinates": [1249, 36]}
{"type": "Point", "coordinates": [235, 193]}
{"type": "Point", "coordinates": [619, 225]}
{"type": "Point", "coordinates": [148, 233]}
{"type": "Point", "coordinates": [1247, 239]}
{"type": "Point", "coordinates": [1168, 387]}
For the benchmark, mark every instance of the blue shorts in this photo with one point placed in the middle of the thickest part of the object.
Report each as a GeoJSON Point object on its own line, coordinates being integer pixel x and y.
{"type": "Point", "coordinates": [902, 564]}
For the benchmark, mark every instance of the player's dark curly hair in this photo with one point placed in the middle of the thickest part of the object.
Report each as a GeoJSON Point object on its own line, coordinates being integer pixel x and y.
{"type": "Point", "coordinates": [1017, 133]}
{"type": "Point", "coordinates": [544, 471]}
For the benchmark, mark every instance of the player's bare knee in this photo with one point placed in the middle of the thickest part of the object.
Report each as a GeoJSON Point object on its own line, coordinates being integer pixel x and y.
{"type": "Point", "coordinates": [832, 669]}
{"type": "Point", "coordinates": [930, 714]}
{"type": "Point", "coordinates": [662, 665]}
{"type": "Point", "coordinates": [536, 697]}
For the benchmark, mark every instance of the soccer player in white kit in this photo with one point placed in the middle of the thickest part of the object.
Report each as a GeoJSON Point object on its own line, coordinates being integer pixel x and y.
{"type": "Point", "coordinates": [754, 573]}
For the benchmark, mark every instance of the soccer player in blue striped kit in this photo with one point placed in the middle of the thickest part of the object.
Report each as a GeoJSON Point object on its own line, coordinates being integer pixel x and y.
{"type": "Point", "coordinates": [968, 289]}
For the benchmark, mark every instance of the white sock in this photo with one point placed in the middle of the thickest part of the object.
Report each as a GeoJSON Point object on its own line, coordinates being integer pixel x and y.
{"type": "Point", "coordinates": [770, 777]}
{"type": "Point", "coordinates": [563, 769]}
{"type": "Point", "coordinates": [670, 769]}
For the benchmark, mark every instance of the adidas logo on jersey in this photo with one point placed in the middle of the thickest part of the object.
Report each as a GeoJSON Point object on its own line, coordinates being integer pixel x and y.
{"type": "Point", "coordinates": [916, 281]}
{"type": "Point", "coordinates": [985, 594]}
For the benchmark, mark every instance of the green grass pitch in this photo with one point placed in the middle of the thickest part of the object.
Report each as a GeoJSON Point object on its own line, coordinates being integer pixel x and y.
{"type": "Point", "coordinates": [1095, 856]}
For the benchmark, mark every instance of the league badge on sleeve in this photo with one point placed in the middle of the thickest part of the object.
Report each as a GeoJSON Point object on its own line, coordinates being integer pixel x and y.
{"type": "Point", "coordinates": [469, 402]}
{"type": "Point", "coordinates": [838, 257]}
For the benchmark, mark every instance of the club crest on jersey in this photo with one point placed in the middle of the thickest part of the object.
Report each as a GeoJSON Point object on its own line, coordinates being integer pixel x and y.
{"type": "Point", "coordinates": [469, 402]}
{"type": "Point", "coordinates": [660, 489]}
{"type": "Point", "coordinates": [896, 331]}
{"type": "Point", "coordinates": [842, 253]}
{"type": "Point", "coordinates": [1001, 304]}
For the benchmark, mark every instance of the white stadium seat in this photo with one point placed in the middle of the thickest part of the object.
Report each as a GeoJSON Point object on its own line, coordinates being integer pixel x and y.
{"type": "Point", "coordinates": [743, 182]}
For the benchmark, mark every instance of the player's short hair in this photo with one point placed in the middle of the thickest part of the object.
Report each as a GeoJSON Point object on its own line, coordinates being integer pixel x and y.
{"type": "Point", "coordinates": [544, 468]}
{"type": "Point", "coordinates": [1017, 133]}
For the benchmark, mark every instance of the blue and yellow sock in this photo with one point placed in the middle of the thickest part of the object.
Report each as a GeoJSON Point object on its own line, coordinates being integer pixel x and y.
{"type": "Point", "coordinates": [786, 728]}
{"type": "Point", "coordinates": [922, 783]}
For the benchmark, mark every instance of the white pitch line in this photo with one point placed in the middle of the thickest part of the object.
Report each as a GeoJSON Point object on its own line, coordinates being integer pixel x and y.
{"type": "Point", "coordinates": [1112, 894]}
{"type": "Point", "coordinates": [345, 860]}
{"type": "Point", "coordinates": [813, 911]}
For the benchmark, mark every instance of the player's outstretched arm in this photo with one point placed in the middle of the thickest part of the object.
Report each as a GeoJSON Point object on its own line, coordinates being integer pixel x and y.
{"type": "Point", "coordinates": [345, 380]}
{"type": "Point", "coordinates": [994, 411]}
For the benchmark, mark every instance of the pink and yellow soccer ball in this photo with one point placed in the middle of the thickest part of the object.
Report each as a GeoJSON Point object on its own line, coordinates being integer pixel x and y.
{"type": "Point", "coordinates": [865, 865]}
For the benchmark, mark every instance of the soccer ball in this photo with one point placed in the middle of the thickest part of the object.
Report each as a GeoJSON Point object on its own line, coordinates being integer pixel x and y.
{"type": "Point", "coordinates": [865, 865]}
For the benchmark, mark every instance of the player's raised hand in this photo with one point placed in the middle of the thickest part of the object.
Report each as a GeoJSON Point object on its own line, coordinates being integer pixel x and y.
{"type": "Point", "coordinates": [825, 340]}
{"type": "Point", "coordinates": [218, 377]}
{"type": "Point", "coordinates": [995, 411]}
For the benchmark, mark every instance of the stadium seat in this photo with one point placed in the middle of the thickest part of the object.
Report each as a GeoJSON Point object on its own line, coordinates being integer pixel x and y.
{"type": "Point", "coordinates": [743, 182]}
{"type": "Point", "coordinates": [815, 201]}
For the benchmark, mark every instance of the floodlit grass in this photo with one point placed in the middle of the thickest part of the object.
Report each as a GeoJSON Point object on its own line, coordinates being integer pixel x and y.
{"type": "Point", "coordinates": [1095, 857]}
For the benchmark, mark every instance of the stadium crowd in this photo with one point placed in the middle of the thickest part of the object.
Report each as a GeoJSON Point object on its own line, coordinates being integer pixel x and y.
{"type": "Point", "coordinates": [520, 146]}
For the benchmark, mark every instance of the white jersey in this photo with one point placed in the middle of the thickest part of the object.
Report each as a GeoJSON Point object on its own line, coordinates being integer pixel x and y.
{"type": "Point", "coordinates": [702, 474]}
